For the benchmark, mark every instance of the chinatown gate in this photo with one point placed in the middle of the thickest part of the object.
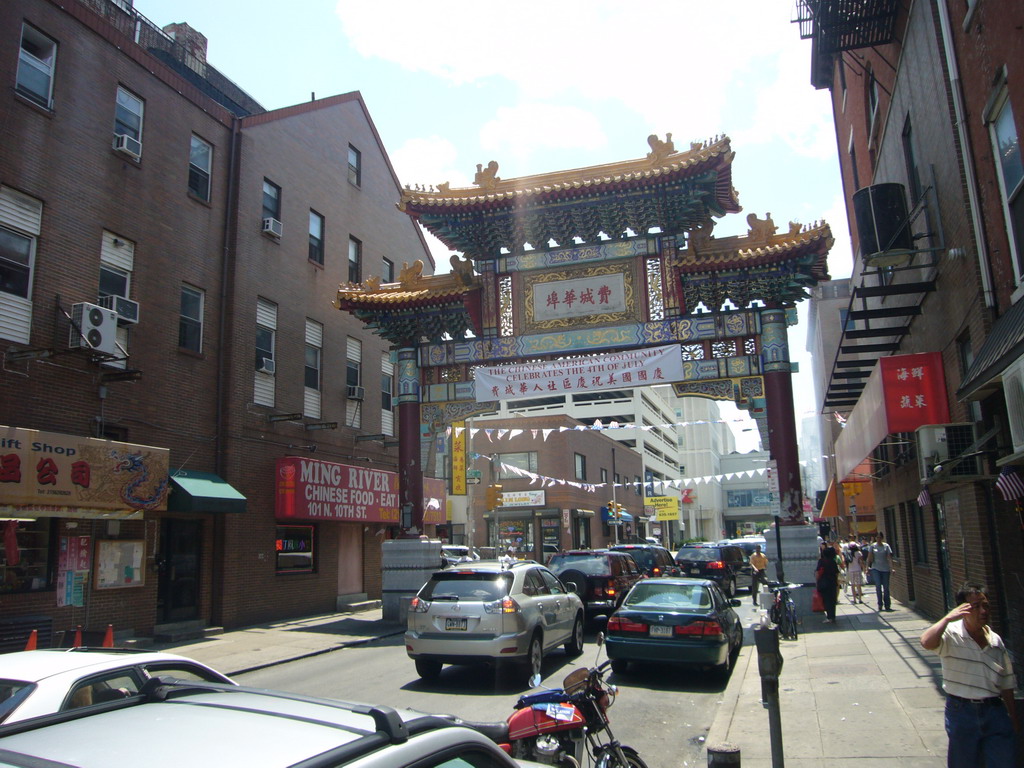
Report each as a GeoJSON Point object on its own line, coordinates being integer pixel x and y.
{"type": "Point", "coordinates": [562, 268]}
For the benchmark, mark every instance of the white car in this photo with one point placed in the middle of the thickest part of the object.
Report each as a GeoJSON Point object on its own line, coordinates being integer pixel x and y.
{"type": "Point", "coordinates": [42, 682]}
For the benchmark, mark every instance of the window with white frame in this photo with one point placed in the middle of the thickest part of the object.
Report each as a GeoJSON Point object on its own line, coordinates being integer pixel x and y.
{"type": "Point", "coordinates": [128, 115]}
{"type": "Point", "coordinates": [117, 263]}
{"type": "Point", "coordinates": [1010, 169]}
{"type": "Point", "coordinates": [266, 338]}
{"type": "Point", "coordinates": [388, 272]}
{"type": "Point", "coordinates": [35, 66]}
{"type": "Point", "coordinates": [190, 319]}
{"type": "Point", "coordinates": [316, 237]}
{"type": "Point", "coordinates": [200, 164]}
{"type": "Point", "coordinates": [21, 219]}
{"type": "Point", "coordinates": [387, 395]}
{"type": "Point", "coordinates": [355, 166]}
{"type": "Point", "coordinates": [355, 260]}
{"type": "Point", "coordinates": [313, 369]}
{"type": "Point", "coordinates": [353, 383]}
{"type": "Point", "coordinates": [580, 462]}
{"type": "Point", "coordinates": [271, 200]}
{"type": "Point", "coordinates": [509, 462]}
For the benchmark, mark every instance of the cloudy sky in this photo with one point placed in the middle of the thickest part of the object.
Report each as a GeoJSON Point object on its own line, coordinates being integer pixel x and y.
{"type": "Point", "coordinates": [552, 85]}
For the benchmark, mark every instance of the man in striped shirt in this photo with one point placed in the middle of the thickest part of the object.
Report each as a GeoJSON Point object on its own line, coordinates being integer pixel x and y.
{"type": "Point", "coordinates": [977, 676]}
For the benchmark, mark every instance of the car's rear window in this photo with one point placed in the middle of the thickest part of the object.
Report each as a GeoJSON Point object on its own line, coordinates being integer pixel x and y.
{"type": "Point", "coordinates": [699, 554]}
{"type": "Point", "coordinates": [12, 693]}
{"type": "Point", "coordinates": [644, 557]}
{"type": "Point", "coordinates": [466, 585]}
{"type": "Point", "coordinates": [591, 565]}
{"type": "Point", "coordinates": [680, 597]}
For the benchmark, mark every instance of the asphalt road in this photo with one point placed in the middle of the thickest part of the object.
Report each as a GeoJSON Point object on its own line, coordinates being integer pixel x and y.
{"type": "Point", "coordinates": [664, 713]}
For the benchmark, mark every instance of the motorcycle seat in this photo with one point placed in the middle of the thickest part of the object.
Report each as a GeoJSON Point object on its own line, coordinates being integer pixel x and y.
{"type": "Point", "coordinates": [543, 697]}
{"type": "Point", "coordinates": [496, 732]}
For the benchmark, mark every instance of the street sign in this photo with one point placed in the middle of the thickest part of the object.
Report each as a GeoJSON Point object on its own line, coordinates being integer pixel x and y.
{"type": "Point", "coordinates": [472, 481]}
{"type": "Point", "coordinates": [473, 476]}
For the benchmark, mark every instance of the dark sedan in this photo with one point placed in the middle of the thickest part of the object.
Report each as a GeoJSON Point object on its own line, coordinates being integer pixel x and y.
{"type": "Point", "coordinates": [677, 621]}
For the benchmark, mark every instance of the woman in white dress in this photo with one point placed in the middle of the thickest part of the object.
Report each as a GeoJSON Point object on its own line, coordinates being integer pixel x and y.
{"type": "Point", "coordinates": [855, 574]}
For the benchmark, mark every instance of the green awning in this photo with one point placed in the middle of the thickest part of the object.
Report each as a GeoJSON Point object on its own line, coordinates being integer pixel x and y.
{"type": "Point", "coordinates": [202, 492]}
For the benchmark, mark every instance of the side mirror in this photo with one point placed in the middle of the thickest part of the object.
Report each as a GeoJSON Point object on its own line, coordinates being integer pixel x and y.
{"type": "Point", "coordinates": [599, 639]}
{"type": "Point", "coordinates": [735, 602]}
{"type": "Point", "coordinates": [535, 681]}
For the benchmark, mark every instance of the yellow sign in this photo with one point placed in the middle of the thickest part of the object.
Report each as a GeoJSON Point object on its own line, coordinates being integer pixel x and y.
{"type": "Point", "coordinates": [851, 489]}
{"type": "Point", "coordinates": [459, 436]}
{"type": "Point", "coordinates": [665, 507]}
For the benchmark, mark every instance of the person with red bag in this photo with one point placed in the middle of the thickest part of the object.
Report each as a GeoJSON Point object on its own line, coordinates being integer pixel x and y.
{"type": "Point", "coordinates": [826, 576]}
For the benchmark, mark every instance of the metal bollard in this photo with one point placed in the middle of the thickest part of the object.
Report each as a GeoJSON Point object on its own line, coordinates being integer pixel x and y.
{"type": "Point", "coordinates": [724, 756]}
{"type": "Point", "coordinates": [769, 665]}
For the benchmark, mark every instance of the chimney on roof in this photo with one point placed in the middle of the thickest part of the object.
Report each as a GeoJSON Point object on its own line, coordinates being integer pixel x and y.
{"type": "Point", "coordinates": [193, 43]}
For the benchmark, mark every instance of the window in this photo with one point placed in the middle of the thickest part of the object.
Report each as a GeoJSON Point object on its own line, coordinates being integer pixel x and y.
{"type": "Point", "coordinates": [128, 115]}
{"type": "Point", "coordinates": [387, 397]}
{"type": "Point", "coordinates": [526, 461]}
{"type": "Point", "coordinates": [355, 166]}
{"type": "Point", "coordinates": [872, 97]}
{"type": "Point", "coordinates": [21, 219]}
{"type": "Point", "coordinates": [852, 151]}
{"type": "Point", "coordinates": [581, 466]}
{"type": "Point", "coordinates": [200, 161]}
{"type": "Point", "coordinates": [25, 558]}
{"type": "Point", "coordinates": [316, 237]}
{"type": "Point", "coordinates": [355, 260]}
{"type": "Point", "coordinates": [117, 262]}
{"type": "Point", "coordinates": [353, 380]}
{"type": "Point", "coordinates": [266, 330]}
{"type": "Point", "coordinates": [388, 273]}
{"type": "Point", "coordinates": [16, 252]}
{"type": "Point", "coordinates": [35, 66]}
{"type": "Point", "coordinates": [271, 200]}
{"type": "Point", "coordinates": [312, 367]}
{"type": "Point", "coordinates": [604, 475]}
{"type": "Point", "coordinates": [190, 321]}
{"type": "Point", "coordinates": [294, 545]}
{"type": "Point", "coordinates": [1010, 169]}
{"type": "Point", "coordinates": [910, 159]}
{"type": "Point", "coordinates": [918, 535]}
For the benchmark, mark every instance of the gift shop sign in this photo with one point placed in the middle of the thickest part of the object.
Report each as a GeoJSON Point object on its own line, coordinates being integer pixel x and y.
{"type": "Point", "coordinates": [310, 489]}
{"type": "Point", "coordinates": [655, 365]}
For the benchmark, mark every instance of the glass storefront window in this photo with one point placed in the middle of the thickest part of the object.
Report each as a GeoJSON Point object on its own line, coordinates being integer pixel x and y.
{"type": "Point", "coordinates": [25, 555]}
{"type": "Point", "coordinates": [294, 546]}
{"type": "Point", "coordinates": [516, 534]}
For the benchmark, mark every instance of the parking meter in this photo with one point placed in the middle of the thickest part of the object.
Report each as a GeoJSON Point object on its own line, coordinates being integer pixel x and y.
{"type": "Point", "coordinates": [769, 660]}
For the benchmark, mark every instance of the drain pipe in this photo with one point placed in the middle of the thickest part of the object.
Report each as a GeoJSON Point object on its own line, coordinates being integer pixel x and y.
{"type": "Point", "coordinates": [961, 128]}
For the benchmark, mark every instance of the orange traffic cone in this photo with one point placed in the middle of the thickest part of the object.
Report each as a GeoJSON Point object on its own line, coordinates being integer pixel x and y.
{"type": "Point", "coordinates": [108, 639]}
{"type": "Point", "coordinates": [78, 637]}
{"type": "Point", "coordinates": [32, 640]}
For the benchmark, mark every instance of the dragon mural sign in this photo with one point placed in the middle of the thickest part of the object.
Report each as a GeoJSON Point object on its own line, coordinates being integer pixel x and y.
{"type": "Point", "coordinates": [43, 472]}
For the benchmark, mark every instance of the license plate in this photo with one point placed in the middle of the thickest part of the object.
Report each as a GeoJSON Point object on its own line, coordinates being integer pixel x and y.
{"type": "Point", "coordinates": [695, 571]}
{"type": "Point", "coordinates": [661, 631]}
{"type": "Point", "coordinates": [456, 624]}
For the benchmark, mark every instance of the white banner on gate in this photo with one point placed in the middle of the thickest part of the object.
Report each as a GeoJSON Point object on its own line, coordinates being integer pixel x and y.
{"type": "Point", "coordinates": [616, 370]}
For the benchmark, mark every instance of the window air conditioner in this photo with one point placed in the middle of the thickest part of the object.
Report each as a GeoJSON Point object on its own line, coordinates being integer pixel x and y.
{"type": "Point", "coordinates": [93, 327]}
{"type": "Point", "coordinates": [126, 309]}
{"type": "Point", "coordinates": [266, 365]}
{"type": "Point", "coordinates": [355, 393]}
{"type": "Point", "coordinates": [272, 227]}
{"type": "Point", "coordinates": [128, 145]}
{"type": "Point", "coordinates": [938, 444]}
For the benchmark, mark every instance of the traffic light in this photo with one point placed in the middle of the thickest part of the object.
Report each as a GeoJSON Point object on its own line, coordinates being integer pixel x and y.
{"type": "Point", "coordinates": [493, 496]}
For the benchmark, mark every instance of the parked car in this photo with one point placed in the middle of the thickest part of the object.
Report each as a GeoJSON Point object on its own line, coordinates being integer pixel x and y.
{"type": "Point", "coordinates": [44, 681]}
{"type": "Point", "coordinates": [675, 620]}
{"type": "Point", "coordinates": [653, 559]}
{"type": "Point", "coordinates": [600, 577]}
{"type": "Point", "coordinates": [747, 544]}
{"type": "Point", "coordinates": [204, 725]}
{"type": "Point", "coordinates": [501, 614]}
{"type": "Point", "coordinates": [453, 554]}
{"type": "Point", "coordinates": [726, 565]}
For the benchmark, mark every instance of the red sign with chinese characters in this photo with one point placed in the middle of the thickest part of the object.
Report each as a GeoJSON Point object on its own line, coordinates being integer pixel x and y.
{"type": "Point", "coordinates": [915, 391]}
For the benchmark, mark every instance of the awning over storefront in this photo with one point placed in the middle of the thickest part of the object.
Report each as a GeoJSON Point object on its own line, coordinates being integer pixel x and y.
{"type": "Point", "coordinates": [193, 491]}
{"type": "Point", "coordinates": [831, 506]}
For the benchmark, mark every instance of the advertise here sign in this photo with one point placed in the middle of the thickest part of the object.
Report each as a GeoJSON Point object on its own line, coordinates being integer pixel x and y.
{"type": "Point", "coordinates": [665, 507]}
{"type": "Point", "coordinates": [310, 489]}
{"type": "Point", "coordinates": [655, 365]}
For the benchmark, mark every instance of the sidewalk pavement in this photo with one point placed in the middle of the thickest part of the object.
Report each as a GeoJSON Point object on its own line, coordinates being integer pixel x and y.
{"type": "Point", "coordinates": [860, 692]}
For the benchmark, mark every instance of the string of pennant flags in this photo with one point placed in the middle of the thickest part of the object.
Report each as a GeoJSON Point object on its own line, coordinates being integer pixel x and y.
{"type": "Point", "coordinates": [598, 426]}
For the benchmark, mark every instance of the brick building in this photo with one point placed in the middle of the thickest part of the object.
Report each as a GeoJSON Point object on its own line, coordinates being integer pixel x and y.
{"type": "Point", "coordinates": [169, 253]}
{"type": "Point", "coordinates": [927, 99]}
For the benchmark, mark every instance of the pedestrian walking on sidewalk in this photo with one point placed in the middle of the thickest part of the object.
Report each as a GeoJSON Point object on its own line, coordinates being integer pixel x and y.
{"type": "Point", "coordinates": [855, 574]}
{"type": "Point", "coordinates": [881, 562]}
{"type": "Point", "coordinates": [759, 571]}
{"type": "Point", "coordinates": [826, 575]}
{"type": "Point", "coordinates": [977, 676]}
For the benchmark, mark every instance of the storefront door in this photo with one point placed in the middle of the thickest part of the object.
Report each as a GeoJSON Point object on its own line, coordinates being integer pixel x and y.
{"type": "Point", "coordinates": [350, 559]}
{"type": "Point", "coordinates": [178, 570]}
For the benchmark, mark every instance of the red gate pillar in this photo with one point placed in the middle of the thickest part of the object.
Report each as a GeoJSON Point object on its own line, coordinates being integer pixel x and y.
{"type": "Point", "coordinates": [778, 392]}
{"type": "Point", "coordinates": [410, 473]}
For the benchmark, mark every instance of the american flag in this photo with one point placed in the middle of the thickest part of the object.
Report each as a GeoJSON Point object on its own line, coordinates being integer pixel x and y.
{"type": "Point", "coordinates": [1009, 484]}
{"type": "Point", "coordinates": [924, 499]}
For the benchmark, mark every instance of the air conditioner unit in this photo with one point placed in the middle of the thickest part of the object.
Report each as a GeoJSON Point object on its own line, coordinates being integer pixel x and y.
{"type": "Point", "coordinates": [126, 309]}
{"type": "Point", "coordinates": [93, 327]}
{"type": "Point", "coordinates": [266, 365]}
{"type": "Point", "coordinates": [128, 145]}
{"type": "Point", "coordinates": [939, 444]}
{"type": "Point", "coordinates": [356, 393]}
{"type": "Point", "coordinates": [272, 227]}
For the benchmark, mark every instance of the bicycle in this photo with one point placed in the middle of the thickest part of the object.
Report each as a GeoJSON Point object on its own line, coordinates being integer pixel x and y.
{"type": "Point", "coordinates": [783, 610]}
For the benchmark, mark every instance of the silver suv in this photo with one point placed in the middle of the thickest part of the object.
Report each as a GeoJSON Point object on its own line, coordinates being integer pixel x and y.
{"type": "Point", "coordinates": [494, 613]}
{"type": "Point", "coordinates": [171, 724]}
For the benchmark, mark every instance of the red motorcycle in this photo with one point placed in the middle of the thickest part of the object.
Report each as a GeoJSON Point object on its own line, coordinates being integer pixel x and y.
{"type": "Point", "coordinates": [560, 726]}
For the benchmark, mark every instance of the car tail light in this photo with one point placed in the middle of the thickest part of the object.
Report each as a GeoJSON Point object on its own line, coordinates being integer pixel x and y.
{"type": "Point", "coordinates": [619, 624]}
{"type": "Point", "coordinates": [657, 571]}
{"type": "Point", "coordinates": [609, 588]}
{"type": "Point", "coordinates": [700, 628]}
{"type": "Point", "coordinates": [419, 605]}
{"type": "Point", "coordinates": [716, 565]}
{"type": "Point", "coordinates": [505, 605]}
